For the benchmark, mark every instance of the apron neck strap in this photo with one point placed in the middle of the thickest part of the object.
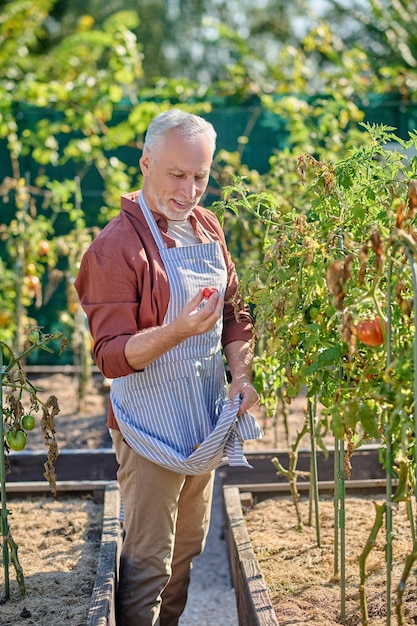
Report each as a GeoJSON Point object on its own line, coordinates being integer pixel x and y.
{"type": "Point", "coordinates": [153, 226]}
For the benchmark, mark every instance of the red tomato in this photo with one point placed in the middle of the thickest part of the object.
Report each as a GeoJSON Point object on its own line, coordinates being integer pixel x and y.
{"type": "Point", "coordinates": [208, 291]}
{"type": "Point", "coordinates": [43, 247]}
{"type": "Point", "coordinates": [370, 332]}
{"type": "Point", "coordinates": [5, 319]}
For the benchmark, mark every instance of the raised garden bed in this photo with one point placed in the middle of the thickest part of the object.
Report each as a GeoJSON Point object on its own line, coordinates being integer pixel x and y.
{"type": "Point", "coordinates": [253, 603]}
{"type": "Point", "coordinates": [73, 467]}
{"type": "Point", "coordinates": [242, 488]}
{"type": "Point", "coordinates": [262, 479]}
{"type": "Point", "coordinates": [68, 549]}
{"type": "Point", "coordinates": [102, 609]}
{"type": "Point", "coordinates": [85, 473]}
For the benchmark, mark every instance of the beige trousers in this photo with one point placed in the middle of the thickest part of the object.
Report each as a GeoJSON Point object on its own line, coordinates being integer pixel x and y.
{"type": "Point", "coordinates": [167, 517]}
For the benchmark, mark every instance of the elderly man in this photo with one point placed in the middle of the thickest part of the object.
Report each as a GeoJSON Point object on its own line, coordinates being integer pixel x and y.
{"type": "Point", "coordinates": [160, 293]}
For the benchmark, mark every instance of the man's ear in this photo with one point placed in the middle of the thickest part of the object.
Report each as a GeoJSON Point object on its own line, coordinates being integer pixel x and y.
{"type": "Point", "coordinates": [144, 162]}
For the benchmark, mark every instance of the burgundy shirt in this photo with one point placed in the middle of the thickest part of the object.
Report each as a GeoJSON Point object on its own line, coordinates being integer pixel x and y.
{"type": "Point", "coordinates": [123, 287]}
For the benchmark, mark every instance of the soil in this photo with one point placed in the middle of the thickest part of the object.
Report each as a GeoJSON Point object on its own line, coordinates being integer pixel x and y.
{"type": "Point", "coordinates": [299, 574]}
{"type": "Point", "coordinates": [53, 533]}
{"type": "Point", "coordinates": [59, 543]}
{"type": "Point", "coordinates": [58, 537]}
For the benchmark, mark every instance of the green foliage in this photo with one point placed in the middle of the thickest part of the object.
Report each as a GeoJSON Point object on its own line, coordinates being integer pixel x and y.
{"type": "Point", "coordinates": [387, 30]}
{"type": "Point", "coordinates": [322, 268]}
{"type": "Point", "coordinates": [74, 109]}
{"type": "Point", "coordinates": [346, 251]}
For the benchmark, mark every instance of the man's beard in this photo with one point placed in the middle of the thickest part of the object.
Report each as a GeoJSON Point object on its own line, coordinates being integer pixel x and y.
{"type": "Point", "coordinates": [173, 213]}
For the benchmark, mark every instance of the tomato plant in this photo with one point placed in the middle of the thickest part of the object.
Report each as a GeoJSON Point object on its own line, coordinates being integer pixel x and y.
{"type": "Point", "coordinates": [330, 270]}
{"type": "Point", "coordinates": [15, 420]}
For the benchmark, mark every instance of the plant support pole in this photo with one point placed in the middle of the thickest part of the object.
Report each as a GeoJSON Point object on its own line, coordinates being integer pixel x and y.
{"type": "Point", "coordinates": [4, 510]}
{"type": "Point", "coordinates": [388, 460]}
{"type": "Point", "coordinates": [339, 505]}
{"type": "Point", "coordinates": [413, 267]}
{"type": "Point", "coordinates": [314, 485]}
{"type": "Point", "coordinates": [342, 529]}
{"type": "Point", "coordinates": [336, 505]}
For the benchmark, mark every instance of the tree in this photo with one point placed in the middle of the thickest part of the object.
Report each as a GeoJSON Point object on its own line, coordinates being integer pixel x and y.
{"type": "Point", "coordinates": [386, 31]}
{"type": "Point", "coordinates": [58, 107]}
{"type": "Point", "coordinates": [181, 38]}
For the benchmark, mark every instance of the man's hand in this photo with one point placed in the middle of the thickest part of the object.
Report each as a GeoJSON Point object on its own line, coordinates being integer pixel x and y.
{"type": "Point", "coordinates": [239, 355]}
{"type": "Point", "coordinates": [244, 388]}
{"type": "Point", "coordinates": [196, 321]}
{"type": "Point", "coordinates": [151, 343]}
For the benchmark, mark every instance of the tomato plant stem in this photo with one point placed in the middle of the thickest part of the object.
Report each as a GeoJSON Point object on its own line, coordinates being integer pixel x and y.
{"type": "Point", "coordinates": [409, 562]}
{"type": "Point", "coordinates": [291, 473]}
{"type": "Point", "coordinates": [410, 515]}
{"type": "Point", "coordinates": [380, 510]}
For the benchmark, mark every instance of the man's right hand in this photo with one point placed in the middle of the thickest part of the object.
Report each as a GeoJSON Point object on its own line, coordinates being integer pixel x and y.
{"type": "Point", "coordinates": [196, 320]}
{"type": "Point", "coordinates": [151, 343]}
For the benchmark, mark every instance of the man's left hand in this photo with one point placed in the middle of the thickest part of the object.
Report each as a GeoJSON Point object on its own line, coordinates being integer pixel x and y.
{"type": "Point", "coordinates": [248, 393]}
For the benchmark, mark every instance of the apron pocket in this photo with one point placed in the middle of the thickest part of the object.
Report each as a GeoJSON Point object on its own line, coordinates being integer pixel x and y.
{"type": "Point", "coordinates": [173, 412]}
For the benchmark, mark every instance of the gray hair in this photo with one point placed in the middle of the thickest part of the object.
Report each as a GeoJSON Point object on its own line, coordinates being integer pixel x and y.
{"type": "Point", "coordinates": [189, 125]}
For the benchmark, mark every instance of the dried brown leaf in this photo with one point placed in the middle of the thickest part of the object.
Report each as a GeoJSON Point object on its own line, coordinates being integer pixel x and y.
{"type": "Point", "coordinates": [50, 410]}
{"type": "Point", "coordinates": [412, 197]}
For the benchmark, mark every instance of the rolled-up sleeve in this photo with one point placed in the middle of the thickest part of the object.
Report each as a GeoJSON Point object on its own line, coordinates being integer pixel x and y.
{"type": "Point", "coordinates": [108, 295]}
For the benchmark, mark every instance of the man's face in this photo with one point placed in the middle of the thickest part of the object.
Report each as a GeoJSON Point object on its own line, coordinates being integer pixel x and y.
{"type": "Point", "coordinates": [176, 174]}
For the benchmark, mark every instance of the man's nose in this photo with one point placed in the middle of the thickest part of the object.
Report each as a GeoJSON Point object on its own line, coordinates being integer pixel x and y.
{"type": "Point", "coordinates": [189, 188]}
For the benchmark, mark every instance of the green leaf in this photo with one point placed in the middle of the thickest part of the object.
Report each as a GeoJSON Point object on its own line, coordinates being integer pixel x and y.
{"type": "Point", "coordinates": [337, 426]}
{"type": "Point", "coordinates": [369, 420]}
{"type": "Point", "coordinates": [46, 348]}
{"type": "Point", "coordinates": [324, 359]}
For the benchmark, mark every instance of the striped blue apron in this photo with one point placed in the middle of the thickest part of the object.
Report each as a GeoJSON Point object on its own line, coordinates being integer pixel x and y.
{"type": "Point", "coordinates": [175, 412]}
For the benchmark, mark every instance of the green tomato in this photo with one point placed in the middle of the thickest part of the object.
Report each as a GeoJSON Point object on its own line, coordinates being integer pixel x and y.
{"type": "Point", "coordinates": [314, 312]}
{"type": "Point", "coordinates": [16, 439]}
{"type": "Point", "coordinates": [28, 422]}
{"type": "Point", "coordinates": [34, 336]}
